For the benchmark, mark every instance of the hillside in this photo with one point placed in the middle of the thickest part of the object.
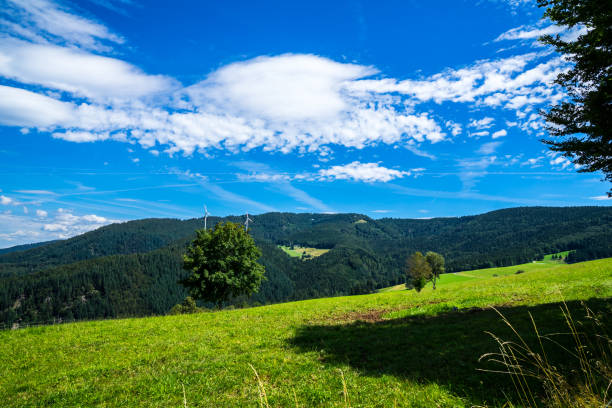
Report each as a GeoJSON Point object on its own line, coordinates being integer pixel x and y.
{"type": "Point", "coordinates": [131, 269]}
{"type": "Point", "coordinates": [398, 348]}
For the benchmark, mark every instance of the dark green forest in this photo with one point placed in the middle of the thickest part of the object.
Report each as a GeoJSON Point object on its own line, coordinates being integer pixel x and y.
{"type": "Point", "coordinates": [132, 268]}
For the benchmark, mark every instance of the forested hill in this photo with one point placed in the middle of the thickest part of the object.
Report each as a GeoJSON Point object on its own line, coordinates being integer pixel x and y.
{"type": "Point", "coordinates": [131, 268]}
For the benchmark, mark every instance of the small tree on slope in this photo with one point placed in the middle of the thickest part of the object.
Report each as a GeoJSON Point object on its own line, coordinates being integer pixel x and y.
{"type": "Point", "coordinates": [223, 264]}
{"type": "Point", "coordinates": [436, 262]}
{"type": "Point", "coordinates": [418, 271]}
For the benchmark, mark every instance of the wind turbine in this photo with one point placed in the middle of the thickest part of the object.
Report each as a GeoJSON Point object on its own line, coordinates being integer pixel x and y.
{"type": "Point", "coordinates": [246, 222]}
{"type": "Point", "coordinates": [206, 214]}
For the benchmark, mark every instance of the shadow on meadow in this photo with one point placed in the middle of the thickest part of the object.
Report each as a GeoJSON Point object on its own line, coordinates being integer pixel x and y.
{"type": "Point", "coordinates": [443, 348]}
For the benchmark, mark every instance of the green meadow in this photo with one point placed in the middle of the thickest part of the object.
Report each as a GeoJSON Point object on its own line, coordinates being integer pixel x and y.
{"type": "Point", "coordinates": [393, 348]}
{"type": "Point", "coordinates": [298, 251]}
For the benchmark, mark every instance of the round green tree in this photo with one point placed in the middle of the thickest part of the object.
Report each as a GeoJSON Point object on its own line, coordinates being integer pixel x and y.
{"type": "Point", "coordinates": [223, 264]}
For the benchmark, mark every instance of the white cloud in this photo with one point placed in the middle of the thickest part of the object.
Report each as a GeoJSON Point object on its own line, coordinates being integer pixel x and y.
{"type": "Point", "coordinates": [474, 169]}
{"type": "Point", "coordinates": [509, 83]}
{"type": "Point", "coordinates": [479, 134]}
{"type": "Point", "coordinates": [65, 224]}
{"type": "Point", "coordinates": [78, 72]}
{"type": "Point", "coordinates": [533, 162]}
{"type": "Point", "coordinates": [20, 229]}
{"type": "Point", "coordinates": [601, 198]}
{"type": "Point", "coordinates": [356, 171]}
{"type": "Point", "coordinates": [488, 148]}
{"type": "Point", "coordinates": [559, 161]}
{"type": "Point", "coordinates": [531, 32]}
{"type": "Point", "coordinates": [42, 20]}
{"type": "Point", "coordinates": [499, 133]}
{"type": "Point", "coordinates": [36, 192]}
{"type": "Point", "coordinates": [19, 107]}
{"type": "Point", "coordinates": [454, 127]}
{"type": "Point", "coordinates": [288, 103]}
{"type": "Point", "coordinates": [4, 200]}
{"type": "Point", "coordinates": [346, 121]}
{"type": "Point", "coordinates": [484, 123]}
{"type": "Point", "coordinates": [283, 88]}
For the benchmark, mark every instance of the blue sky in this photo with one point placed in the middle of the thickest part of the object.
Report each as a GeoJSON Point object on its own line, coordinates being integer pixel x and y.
{"type": "Point", "coordinates": [117, 110]}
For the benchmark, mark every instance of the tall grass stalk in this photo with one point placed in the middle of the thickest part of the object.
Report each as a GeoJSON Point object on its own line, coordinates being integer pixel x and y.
{"type": "Point", "coordinates": [587, 386]}
{"type": "Point", "coordinates": [347, 402]}
{"type": "Point", "coordinates": [263, 398]}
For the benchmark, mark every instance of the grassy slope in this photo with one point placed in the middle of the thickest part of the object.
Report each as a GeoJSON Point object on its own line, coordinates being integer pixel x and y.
{"type": "Point", "coordinates": [455, 277]}
{"type": "Point", "coordinates": [396, 347]}
{"type": "Point", "coordinates": [297, 252]}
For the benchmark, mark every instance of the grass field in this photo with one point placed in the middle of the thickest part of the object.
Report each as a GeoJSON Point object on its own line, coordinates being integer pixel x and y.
{"type": "Point", "coordinates": [297, 251]}
{"type": "Point", "coordinates": [397, 348]}
{"type": "Point", "coordinates": [455, 277]}
{"type": "Point", "coordinates": [548, 258]}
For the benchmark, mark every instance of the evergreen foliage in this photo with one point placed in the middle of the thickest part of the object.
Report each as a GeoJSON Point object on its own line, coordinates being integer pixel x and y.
{"type": "Point", "coordinates": [584, 122]}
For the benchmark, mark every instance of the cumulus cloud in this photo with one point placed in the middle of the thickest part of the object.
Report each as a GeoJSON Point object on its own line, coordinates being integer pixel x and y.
{"type": "Point", "coordinates": [224, 114]}
{"type": "Point", "coordinates": [479, 134]}
{"type": "Point", "coordinates": [284, 88]}
{"type": "Point", "coordinates": [454, 127]}
{"type": "Point", "coordinates": [484, 123]}
{"type": "Point", "coordinates": [493, 83]}
{"type": "Point", "coordinates": [19, 229]}
{"type": "Point", "coordinates": [367, 172]}
{"type": "Point", "coordinates": [499, 133]}
{"type": "Point", "coordinates": [559, 161]}
{"type": "Point", "coordinates": [66, 224]}
{"type": "Point", "coordinates": [355, 171]}
{"type": "Point", "coordinates": [288, 103]}
{"type": "Point", "coordinates": [4, 200]}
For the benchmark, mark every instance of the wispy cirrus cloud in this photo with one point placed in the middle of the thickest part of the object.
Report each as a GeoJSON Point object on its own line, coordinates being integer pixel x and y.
{"type": "Point", "coordinates": [46, 21]}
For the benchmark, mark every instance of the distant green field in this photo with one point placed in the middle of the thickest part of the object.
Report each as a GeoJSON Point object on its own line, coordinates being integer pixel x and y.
{"type": "Point", "coordinates": [548, 258]}
{"type": "Point", "coordinates": [398, 348]}
{"type": "Point", "coordinates": [455, 277]}
{"type": "Point", "coordinates": [298, 251]}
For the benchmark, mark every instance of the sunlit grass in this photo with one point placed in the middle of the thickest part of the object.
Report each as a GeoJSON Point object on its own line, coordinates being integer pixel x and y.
{"type": "Point", "coordinates": [398, 347]}
{"type": "Point", "coordinates": [298, 251]}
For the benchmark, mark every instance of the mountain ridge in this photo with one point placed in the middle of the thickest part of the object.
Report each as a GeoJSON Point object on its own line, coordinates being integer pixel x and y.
{"type": "Point", "coordinates": [132, 268]}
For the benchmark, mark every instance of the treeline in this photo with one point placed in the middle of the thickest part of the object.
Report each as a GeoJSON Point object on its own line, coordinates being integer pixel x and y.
{"type": "Point", "coordinates": [132, 268]}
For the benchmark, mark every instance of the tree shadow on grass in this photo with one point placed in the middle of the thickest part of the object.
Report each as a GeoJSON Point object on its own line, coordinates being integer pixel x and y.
{"type": "Point", "coordinates": [443, 348]}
